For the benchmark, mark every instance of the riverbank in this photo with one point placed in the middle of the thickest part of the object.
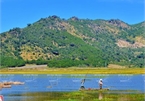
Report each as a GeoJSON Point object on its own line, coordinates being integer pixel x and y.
{"type": "Point", "coordinates": [85, 96]}
{"type": "Point", "coordinates": [72, 70]}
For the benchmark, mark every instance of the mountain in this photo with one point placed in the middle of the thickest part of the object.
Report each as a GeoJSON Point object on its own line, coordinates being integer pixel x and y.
{"type": "Point", "coordinates": [70, 42]}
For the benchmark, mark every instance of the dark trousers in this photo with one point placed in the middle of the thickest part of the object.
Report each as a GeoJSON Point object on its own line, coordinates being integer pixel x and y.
{"type": "Point", "coordinates": [82, 87]}
{"type": "Point", "coordinates": [100, 86]}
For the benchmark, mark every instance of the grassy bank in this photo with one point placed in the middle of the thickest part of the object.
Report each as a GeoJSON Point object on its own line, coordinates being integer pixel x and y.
{"type": "Point", "coordinates": [73, 71]}
{"type": "Point", "coordinates": [84, 96]}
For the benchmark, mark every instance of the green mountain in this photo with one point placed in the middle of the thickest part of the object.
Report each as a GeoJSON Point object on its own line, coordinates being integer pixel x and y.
{"type": "Point", "coordinates": [74, 42]}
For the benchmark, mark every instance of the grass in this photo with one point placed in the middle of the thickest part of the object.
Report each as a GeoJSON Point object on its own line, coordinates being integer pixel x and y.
{"type": "Point", "coordinates": [84, 96]}
{"type": "Point", "coordinates": [74, 71]}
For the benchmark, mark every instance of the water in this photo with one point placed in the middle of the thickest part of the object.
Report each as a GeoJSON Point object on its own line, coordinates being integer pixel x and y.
{"type": "Point", "coordinates": [51, 83]}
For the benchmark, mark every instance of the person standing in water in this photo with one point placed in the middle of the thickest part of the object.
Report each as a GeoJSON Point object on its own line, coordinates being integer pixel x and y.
{"type": "Point", "coordinates": [100, 83]}
{"type": "Point", "coordinates": [82, 84]}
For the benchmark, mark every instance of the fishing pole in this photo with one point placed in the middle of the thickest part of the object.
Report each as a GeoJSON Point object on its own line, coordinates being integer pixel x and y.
{"type": "Point", "coordinates": [86, 74]}
{"type": "Point", "coordinates": [110, 87]}
{"type": "Point", "coordinates": [83, 80]}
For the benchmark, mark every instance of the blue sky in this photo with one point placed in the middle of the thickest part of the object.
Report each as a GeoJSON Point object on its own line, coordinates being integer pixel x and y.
{"type": "Point", "coordinates": [18, 13]}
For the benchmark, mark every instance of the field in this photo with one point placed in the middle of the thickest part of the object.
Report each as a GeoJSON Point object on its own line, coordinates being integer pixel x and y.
{"type": "Point", "coordinates": [73, 70]}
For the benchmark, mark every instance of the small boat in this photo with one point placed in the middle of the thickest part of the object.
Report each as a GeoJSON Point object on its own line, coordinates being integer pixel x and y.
{"type": "Point", "coordinates": [94, 89]}
{"type": "Point", "coordinates": [13, 83]}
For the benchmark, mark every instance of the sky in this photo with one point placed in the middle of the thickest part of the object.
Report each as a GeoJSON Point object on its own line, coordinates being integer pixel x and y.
{"type": "Point", "coordinates": [18, 13]}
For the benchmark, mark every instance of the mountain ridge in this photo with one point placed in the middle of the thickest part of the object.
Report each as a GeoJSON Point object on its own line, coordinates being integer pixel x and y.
{"type": "Point", "coordinates": [54, 41]}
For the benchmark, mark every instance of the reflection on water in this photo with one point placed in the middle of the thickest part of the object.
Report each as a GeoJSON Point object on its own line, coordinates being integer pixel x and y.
{"type": "Point", "coordinates": [100, 96]}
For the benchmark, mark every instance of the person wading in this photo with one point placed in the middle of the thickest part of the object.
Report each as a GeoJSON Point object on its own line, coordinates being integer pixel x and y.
{"type": "Point", "coordinates": [100, 83]}
{"type": "Point", "coordinates": [82, 84]}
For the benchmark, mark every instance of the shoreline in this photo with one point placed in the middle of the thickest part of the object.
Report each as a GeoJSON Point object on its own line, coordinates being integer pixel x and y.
{"type": "Point", "coordinates": [73, 70]}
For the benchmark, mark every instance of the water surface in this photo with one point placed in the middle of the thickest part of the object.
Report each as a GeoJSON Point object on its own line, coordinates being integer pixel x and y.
{"type": "Point", "coordinates": [68, 83]}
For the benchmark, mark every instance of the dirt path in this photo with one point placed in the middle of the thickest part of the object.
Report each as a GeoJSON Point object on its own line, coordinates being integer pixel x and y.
{"type": "Point", "coordinates": [30, 66]}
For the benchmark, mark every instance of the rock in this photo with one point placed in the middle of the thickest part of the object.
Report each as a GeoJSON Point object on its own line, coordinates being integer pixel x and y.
{"type": "Point", "coordinates": [9, 84]}
{"type": "Point", "coordinates": [74, 18]}
{"type": "Point", "coordinates": [18, 83]}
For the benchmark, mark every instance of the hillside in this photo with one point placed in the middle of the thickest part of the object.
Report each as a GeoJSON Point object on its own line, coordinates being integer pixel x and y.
{"type": "Point", "coordinates": [74, 42]}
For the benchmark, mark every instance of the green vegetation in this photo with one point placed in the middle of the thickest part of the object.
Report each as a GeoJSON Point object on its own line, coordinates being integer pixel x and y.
{"type": "Point", "coordinates": [84, 96]}
{"type": "Point", "coordinates": [11, 62]}
{"type": "Point", "coordinates": [74, 42]}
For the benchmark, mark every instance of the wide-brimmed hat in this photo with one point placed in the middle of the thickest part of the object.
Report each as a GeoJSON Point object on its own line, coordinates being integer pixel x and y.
{"type": "Point", "coordinates": [100, 79]}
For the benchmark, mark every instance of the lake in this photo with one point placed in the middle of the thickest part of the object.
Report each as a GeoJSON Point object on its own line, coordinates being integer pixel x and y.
{"type": "Point", "coordinates": [68, 83]}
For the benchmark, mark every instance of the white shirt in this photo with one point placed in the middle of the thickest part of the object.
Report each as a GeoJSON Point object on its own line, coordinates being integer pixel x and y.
{"type": "Point", "coordinates": [100, 82]}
